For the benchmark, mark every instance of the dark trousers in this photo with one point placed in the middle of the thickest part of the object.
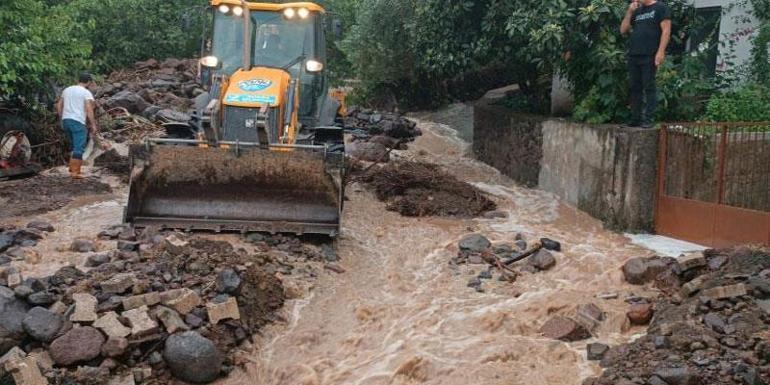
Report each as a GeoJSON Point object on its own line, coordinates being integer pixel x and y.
{"type": "Point", "coordinates": [644, 98]}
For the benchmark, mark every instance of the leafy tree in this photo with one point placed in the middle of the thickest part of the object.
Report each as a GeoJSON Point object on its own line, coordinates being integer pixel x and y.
{"type": "Point", "coordinates": [38, 45]}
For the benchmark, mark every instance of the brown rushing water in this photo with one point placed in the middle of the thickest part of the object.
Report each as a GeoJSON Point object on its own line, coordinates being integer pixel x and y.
{"type": "Point", "coordinates": [401, 314]}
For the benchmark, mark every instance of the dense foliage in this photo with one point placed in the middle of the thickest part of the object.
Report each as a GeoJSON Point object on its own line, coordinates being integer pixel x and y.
{"type": "Point", "coordinates": [44, 43]}
{"type": "Point", "coordinates": [416, 50]}
{"type": "Point", "coordinates": [398, 53]}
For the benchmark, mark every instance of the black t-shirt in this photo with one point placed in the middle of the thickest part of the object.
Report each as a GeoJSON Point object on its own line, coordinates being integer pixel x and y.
{"type": "Point", "coordinates": [646, 32]}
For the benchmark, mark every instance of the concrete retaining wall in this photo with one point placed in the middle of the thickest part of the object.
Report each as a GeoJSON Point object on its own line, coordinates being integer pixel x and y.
{"type": "Point", "coordinates": [607, 171]}
{"type": "Point", "coordinates": [509, 141]}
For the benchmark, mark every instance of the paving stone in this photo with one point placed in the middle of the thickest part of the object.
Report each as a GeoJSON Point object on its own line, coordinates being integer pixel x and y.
{"type": "Point", "coordinates": [723, 292]}
{"type": "Point", "coordinates": [136, 301]}
{"type": "Point", "coordinates": [141, 374]}
{"type": "Point", "coordinates": [126, 379]}
{"type": "Point", "coordinates": [114, 347]}
{"type": "Point", "coordinates": [85, 308]}
{"type": "Point", "coordinates": [223, 311]}
{"type": "Point", "coordinates": [111, 326]}
{"type": "Point", "coordinates": [694, 286]}
{"type": "Point", "coordinates": [26, 371]}
{"type": "Point", "coordinates": [596, 351]}
{"type": "Point", "coordinates": [181, 300]}
{"type": "Point", "coordinates": [141, 323]}
{"type": "Point", "coordinates": [119, 283]}
{"type": "Point", "coordinates": [13, 280]}
{"type": "Point", "coordinates": [691, 261]}
{"type": "Point", "coordinates": [170, 319]}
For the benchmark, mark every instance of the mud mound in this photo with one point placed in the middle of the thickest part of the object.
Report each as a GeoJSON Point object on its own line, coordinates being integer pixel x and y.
{"type": "Point", "coordinates": [115, 163]}
{"type": "Point", "coordinates": [714, 332]}
{"type": "Point", "coordinates": [260, 296]}
{"type": "Point", "coordinates": [421, 189]}
{"type": "Point", "coordinates": [43, 193]}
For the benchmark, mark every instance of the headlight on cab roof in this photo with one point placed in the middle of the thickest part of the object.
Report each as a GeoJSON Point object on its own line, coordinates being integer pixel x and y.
{"type": "Point", "coordinates": [237, 11]}
{"type": "Point", "coordinates": [224, 8]}
{"type": "Point", "coordinates": [210, 61]}
{"type": "Point", "coordinates": [314, 66]}
{"type": "Point", "coordinates": [289, 13]}
{"type": "Point", "coordinates": [303, 13]}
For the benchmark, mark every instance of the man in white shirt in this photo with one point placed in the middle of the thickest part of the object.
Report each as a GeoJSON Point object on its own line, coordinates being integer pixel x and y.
{"type": "Point", "coordinates": [76, 111]}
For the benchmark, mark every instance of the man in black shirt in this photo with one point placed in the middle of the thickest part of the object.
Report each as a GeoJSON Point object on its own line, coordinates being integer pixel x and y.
{"type": "Point", "coordinates": [650, 24]}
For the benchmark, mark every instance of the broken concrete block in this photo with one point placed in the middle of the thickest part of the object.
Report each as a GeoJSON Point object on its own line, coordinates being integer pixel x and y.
{"type": "Point", "coordinates": [141, 323]}
{"type": "Point", "coordinates": [111, 326]}
{"type": "Point", "coordinates": [141, 374]}
{"type": "Point", "coordinates": [58, 307]}
{"type": "Point", "coordinates": [223, 311]}
{"type": "Point", "coordinates": [589, 315]}
{"type": "Point", "coordinates": [119, 283]}
{"type": "Point", "coordinates": [691, 261]}
{"type": "Point", "coordinates": [723, 292]}
{"type": "Point", "coordinates": [85, 308]}
{"type": "Point", "coordinates": [114, 347]}
{"type": "Point", "coordinates": [170, 319]}
{"type": "Point", "coordinates": [181, 300]}
{"type": "Point", "coordinates": [692, 287]}
{"type": "Point", "coordinates": [15, 353]}
{"type": "Point", "coordinates": [174, 245]}
{"type": "Point", "coordinates": [136, 301]}
{"type": "Point", "coordinates": [13, 279]}
{"type": "Point", "coordinates": [25, 371]}
{"type": "Point", "coordinates": [127, 379]}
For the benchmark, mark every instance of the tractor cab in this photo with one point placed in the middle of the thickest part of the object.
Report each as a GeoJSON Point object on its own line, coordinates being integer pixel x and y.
{"type": "Point", "coordinates": [287, 37]}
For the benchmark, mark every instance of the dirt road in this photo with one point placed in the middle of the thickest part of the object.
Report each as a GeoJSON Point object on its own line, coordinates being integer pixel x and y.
{"type": "Point", "coordinates": [400, 314]}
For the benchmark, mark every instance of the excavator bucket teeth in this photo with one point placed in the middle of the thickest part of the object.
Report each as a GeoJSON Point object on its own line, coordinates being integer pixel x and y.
{"type": "Point", "coordinates": [254, 189]}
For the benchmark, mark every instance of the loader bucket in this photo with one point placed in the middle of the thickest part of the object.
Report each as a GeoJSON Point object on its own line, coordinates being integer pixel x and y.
{"type": "Point", "coordinates": [254, 189]}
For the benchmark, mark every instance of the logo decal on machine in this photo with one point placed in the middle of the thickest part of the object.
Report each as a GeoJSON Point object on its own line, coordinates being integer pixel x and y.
{"type": "Point", "coordinates": [253, 85]}
{"type": "Point", "coordinates": [245, 98]}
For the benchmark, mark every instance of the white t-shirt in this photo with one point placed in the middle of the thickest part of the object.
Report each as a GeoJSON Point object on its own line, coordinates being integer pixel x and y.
{"type": "Point", "coordinates": [74, 99]}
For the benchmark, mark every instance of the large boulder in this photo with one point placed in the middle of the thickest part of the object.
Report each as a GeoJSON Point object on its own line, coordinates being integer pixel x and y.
{"type": "Point", "coordinates": [192, 357]}
{"type": "Point", "coordinates": [474, 243]}
{"type": "Point", "coordinates": [42, 324]}
{"type": "Point", "coordinates": [132, 102]}
{"type": "Point", "coordinates": [12, 311]}
{"type": "Point", "coordinates": [369, 152]}
{"type": "Point", "coordinates": [77, 345]}
{"type": "Point", "coordinates": [564, 329]}
{"type": "Point", "coordinates": [639, 271]}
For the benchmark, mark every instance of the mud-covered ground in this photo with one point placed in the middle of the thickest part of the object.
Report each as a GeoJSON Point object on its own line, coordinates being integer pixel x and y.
{"type": "Point", "coordinates": [44, 192]}
{"type": "Point", "coordinates": [394, 309]}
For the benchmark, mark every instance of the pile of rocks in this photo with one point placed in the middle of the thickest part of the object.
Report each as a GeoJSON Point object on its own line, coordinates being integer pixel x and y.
{"type": "Point", "coordinates": [15, 243]}
{"type": "Point", "coordinates": [374, 133]}
{"type": "Point", "coordinates": [476, 249]}
{"type": "Point", "coordinates": [159, 305]}
{"type": "Point", "coordinates": [150, 93]}
{"type": "Point", "coordinates": [710, 327]}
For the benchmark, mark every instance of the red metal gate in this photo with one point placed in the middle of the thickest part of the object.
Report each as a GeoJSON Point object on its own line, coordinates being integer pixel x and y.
{"type": "Point", "coordinates": [714, 183]}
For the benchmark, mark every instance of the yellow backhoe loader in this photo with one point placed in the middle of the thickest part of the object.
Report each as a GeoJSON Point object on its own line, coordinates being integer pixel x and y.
{"type": "Point", "coordinates": [263, 152]}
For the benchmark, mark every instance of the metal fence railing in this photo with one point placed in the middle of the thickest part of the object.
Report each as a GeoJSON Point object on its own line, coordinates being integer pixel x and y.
{"type": "Point", "coordinates": [722, 163]}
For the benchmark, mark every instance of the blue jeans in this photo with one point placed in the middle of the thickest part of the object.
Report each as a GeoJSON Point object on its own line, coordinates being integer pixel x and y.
{"type": "Point", "coordinates": [78, 135]}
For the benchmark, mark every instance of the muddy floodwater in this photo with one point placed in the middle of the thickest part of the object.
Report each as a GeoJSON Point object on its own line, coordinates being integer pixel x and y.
{"type": "Point", "coordinates": [400, 313]}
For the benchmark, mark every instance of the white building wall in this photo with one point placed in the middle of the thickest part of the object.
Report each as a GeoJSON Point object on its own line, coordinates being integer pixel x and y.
{"type": "Point", "coordinates": [737, 24]}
